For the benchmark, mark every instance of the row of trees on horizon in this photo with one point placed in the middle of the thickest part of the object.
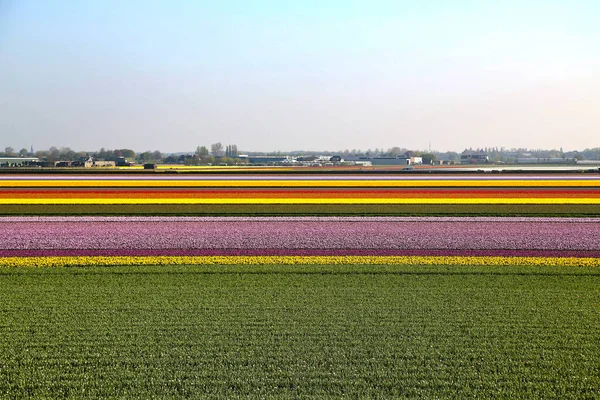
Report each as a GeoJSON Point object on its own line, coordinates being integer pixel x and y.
{"type": "Point", "coordinates": [229, 154]}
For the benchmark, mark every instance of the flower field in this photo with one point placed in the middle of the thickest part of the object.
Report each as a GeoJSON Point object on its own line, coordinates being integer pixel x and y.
{"type": "Point", "coordinates": [299, 286]}
{"type": "Point", "coordinates": [283, 194]}
{"type": "Point", "coordinates": [346, 238]}
{"type": "Point", "coordinates": [58, 241]}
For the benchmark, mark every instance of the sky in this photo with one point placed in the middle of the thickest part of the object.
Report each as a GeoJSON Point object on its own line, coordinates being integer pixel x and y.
{"type": "Point", "coordinates": [288, 75]}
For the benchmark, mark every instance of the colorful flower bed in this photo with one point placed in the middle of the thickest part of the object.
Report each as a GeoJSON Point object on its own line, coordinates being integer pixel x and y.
{"type": "Point", "coordinates": [292, 194]}
{"type": "Point", "coordinates": [341, 239]}
{"type": "Point", "coordinates": [298, 240]}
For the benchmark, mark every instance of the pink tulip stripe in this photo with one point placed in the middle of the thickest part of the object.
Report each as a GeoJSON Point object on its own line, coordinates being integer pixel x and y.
{"type": "Point", "coordinates": [299, 236]}
{"type": "Point", "coordinates": [294, 252]}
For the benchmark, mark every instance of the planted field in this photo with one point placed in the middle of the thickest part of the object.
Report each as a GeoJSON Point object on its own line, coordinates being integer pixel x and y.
{"type": "Point", "coordinates": [57, 241]}
{"type": "Point", "coordinates": [302, 331]}
{"type": "Point", "coordinates": [577, 195]}
{"type": "Point", "coordinates": [356, 285]}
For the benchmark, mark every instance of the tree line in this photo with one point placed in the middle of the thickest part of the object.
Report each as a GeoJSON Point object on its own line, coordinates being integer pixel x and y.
{"type": "Point", "coordinates": [229, 154]}
{"type": "Point", "coordinates": [216, 155]}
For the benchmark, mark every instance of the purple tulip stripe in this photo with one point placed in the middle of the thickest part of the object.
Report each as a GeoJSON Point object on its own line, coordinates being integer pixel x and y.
{"type": "Point", "coordinates": [556, 237]}
{"type": "Point", "coordinates": [295, 252]}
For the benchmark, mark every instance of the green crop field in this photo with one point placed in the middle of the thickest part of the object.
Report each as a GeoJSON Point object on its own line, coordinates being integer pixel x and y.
{"type": "Point", "coordinates": [300, 331]}
{"type": "Point", "coordinates": [535, 210]}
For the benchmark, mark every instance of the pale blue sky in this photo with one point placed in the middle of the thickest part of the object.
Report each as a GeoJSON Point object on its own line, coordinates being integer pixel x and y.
{"type": "Point", "coordinates": [287, 75]}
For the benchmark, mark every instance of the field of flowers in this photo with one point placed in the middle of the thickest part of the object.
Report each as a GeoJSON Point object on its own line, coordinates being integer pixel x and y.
{"type": "Point", "coordinates": [268, 194]}
{"type": "Point", "coordinates": [298, 240]}
{"type": "Point", "coordinates": [286, 285]}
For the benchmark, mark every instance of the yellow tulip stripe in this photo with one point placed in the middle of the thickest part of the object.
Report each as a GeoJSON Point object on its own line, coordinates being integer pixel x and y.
{"type": "Point", "coordinates": [374, 200]}
{"type": "Point", "coordinates": [295, 260]}
{"type": "Point", "coordinates": [284, 183]}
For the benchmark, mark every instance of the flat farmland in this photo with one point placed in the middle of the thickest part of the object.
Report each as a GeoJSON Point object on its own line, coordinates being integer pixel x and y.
{"type": "Point", "coordinates": [287, 194]}
{"type": "Point", "coordinates": [300, 286]}
{"type": "Point", "coordinates": [300, 331]}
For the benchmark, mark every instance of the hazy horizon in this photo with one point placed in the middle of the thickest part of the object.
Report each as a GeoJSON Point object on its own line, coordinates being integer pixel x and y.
{"type": "Point", "coordinates": [329, 75]}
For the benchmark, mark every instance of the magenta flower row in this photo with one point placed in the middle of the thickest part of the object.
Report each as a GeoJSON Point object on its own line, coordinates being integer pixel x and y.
{"type": "Point", "coordinates": [296, 252]}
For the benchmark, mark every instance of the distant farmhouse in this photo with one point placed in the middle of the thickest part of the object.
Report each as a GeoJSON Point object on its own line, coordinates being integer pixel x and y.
{"type": "Point", "coordinates": [474, 157]}
{"type": "Point", "coordinates": [91, 163]}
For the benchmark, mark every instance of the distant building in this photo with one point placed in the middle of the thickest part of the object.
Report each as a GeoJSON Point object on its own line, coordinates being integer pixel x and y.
{"type": "Point", "coordinates": [268, 159]}
{"type": "Point", "coordinates": [18, 161]}
{"type": "Point", "coordinates": [478, 157]}
{"type": "Point", "coordinates": [122, 162]}
{"type": "Point", "coordinates": [397, 160]}
{"type": "Point", "coordinates": [91, 163]}
{"type": "Point", "coordinates": [548, 160]}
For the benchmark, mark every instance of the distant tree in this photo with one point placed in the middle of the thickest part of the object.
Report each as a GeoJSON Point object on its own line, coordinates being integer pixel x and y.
{"type": "Point", "coordinates": [226, 160]}
{"type": "Point", "coordinates": [429, 158]}
{"type": "Point", "coordinates": [127, 153]}
{"type": "Point", "coordinates": [172, 159]}
{"type": "Point", "coordinates": [23, 152]}
{"type": "Point", "coordinates": [66, 154]}
{"type": "Point", "coordinates": [9, 152]}
{"type": "Point", "coordinates": [145, 157]}
{"type": "Point", "coordinates": [216, 149]}
{"type": "Point", "coordinates": [157, 156]}
{"type": "Point", "coordinates": [53, 154]}
{"type": "Point", "coordinates": [202, 151]}
{"type": "Point", "coordinates": [206, 160]}
{"type": "Point", "coordinates": [231, 151]}
{"type": "Point", "coordinates": [592, 154]}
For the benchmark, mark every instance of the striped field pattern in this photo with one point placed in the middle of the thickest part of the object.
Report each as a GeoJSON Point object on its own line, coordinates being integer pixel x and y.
{"type": "Point", "coordinates": [299, 286]}
{"type": "Point", "coordinates": [340, 237]}
{"type": "Point", "coordinates": [252, 190]}
{"type": "Point", "coordinates": [63, 241]}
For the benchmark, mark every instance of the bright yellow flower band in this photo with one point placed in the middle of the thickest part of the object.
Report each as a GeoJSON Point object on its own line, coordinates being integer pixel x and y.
{"type": "Point", "coordinates": [290, 260]}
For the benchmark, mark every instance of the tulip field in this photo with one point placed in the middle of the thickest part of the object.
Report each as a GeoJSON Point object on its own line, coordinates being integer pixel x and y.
{"type": "Point", "coordinates": [284, 194]}
{"type": "Point", "coordinates": [300, 285]}
{"type": "Point", "coordinates": [64, 241]}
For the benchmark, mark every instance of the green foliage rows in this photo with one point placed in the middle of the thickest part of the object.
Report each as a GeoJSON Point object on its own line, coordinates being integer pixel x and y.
{"type": "Point", "coordinates": [305, 209]}
{"type": "Point", "coordinates": [310, 331]}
